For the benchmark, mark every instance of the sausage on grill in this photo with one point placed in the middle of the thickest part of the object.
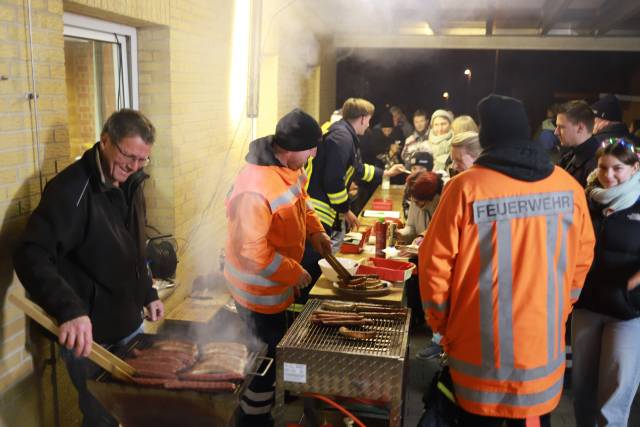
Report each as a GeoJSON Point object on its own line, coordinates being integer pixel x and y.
{"type": "Point", "coordinates": [358, 335]}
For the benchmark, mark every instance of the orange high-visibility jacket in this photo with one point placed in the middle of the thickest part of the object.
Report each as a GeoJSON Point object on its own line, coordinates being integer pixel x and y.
{"type": "Point", "coordinates": [269, 218]}
{"type": "Point", "coordinates": [501, 264]}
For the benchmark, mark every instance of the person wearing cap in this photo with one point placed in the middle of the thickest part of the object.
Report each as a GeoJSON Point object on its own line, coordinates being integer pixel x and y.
{"type": "Point", "coordinates": [503, 259]}
{"type": "Point", "coordinates": [269, 219]}
{"type": "Point", "coordinates": [418, 140]}
{"type": "Point", "coordinates": [606, 318]}
{"type": "Point", "coordinates": [440, 134]}
{"type": "Point", "coordinates": [574, 128]}
{"type": "Point", "coordinates": [338, 163]}
{"type": "Point", "coordinates": [420, 161]}
{"type": "Point", "coordinates": [608, 120]}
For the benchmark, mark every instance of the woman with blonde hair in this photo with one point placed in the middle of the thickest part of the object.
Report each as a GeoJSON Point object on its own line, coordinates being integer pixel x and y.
{"type": "Point", "coordinates": [464, 124]}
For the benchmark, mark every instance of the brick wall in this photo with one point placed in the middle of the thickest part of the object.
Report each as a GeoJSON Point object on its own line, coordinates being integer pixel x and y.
{"type": "Point", "coordinates": [184, 59]}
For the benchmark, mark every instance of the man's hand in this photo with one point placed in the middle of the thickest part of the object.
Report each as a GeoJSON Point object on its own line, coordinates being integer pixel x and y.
{"type": "Point", "coordinates": [303, 280]}
{"type": "Point", "coordinates": [633, 281]}
{"type": "Point", "coordinates": [155, 310]}
{"type": "Point", "coordinates": [394, 170]}
{"type": "Point", "coordinates": [76, 334]}
{"type": "Point", "coordinates": [321, 243]}
{"type": "Point", "coordinates": [351, 220]}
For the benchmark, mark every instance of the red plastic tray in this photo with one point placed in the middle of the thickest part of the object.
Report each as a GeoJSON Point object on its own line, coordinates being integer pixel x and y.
{"type": "Point", "coordinates": [388, 269]}
{"type": "Point", "coordinates": [382, 204]}
{"type": "Point", "coordinates": [350, 248]}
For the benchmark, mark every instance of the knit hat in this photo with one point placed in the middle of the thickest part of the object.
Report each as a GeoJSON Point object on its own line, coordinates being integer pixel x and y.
{"type": "Point", "coordinates": [297, 131]}
{"type": "Point", "coordinates": [608, 108]}
{"type": "Point", "coordinates": [422, 158]}
{"type": "Point", "coordinates": [442, 113]}
{"type": "Point", "coordinates": [424, 185]}
{"type": "Point", "coordinates": [502, 120]}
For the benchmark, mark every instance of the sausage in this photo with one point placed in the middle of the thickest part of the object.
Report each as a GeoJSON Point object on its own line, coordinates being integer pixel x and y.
{"type": "Point", "coordinates": [149, 381]}
{"type": "Point", "coordinates": [227, 376]}
{"type": "Point", "coordinates": [150, 373]}
{"type": "Point", "coordinates": [333, 306]}
{"type": "Point", "coordinates": [382, 315]}
{"type": "Point", "coordinates": [340, 315]}
{"type": "Point", "coordinates": [154, 352]}
{"type": "Point", "coordinates": [200, 385]}
{"type": "Point", "coordinates": [346, 322]}
{"type": "Point", "coordinates": [358, 335]}
{"type": "Point", "coordinates": [155, 366]}
{"type": "Point", "coordinates": [378, 308]}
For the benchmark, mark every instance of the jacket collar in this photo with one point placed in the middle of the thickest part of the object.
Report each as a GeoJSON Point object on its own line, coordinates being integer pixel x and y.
{"type": "Point", "coordinates": [585, 151]}
{"type": "Point", "coordinates": [523, 160]}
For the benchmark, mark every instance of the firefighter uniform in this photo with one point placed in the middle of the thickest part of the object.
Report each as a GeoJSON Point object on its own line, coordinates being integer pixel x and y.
{"type": "Point", "coordinates": [337, 163]}
{"type": "Point", "coordinates": [501, 264]}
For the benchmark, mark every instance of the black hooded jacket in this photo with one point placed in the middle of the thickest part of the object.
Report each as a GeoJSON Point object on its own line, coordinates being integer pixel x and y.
{"type": "Point", "coordinates": [82, 251]}
{"type": "Point", "coordinates": [523, 160]}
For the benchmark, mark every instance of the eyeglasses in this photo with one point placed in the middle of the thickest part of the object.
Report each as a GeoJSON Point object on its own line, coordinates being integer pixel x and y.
{"type": "Point", "coordinates": [131, 158]}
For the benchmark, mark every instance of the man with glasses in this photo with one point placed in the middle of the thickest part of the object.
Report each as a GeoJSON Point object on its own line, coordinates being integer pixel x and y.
{"type": "Point", "coordinates": [82, 254]}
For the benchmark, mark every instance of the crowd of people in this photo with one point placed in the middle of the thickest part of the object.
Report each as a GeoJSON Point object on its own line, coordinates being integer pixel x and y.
{"type": "Point", "coordinates": [510, 246]}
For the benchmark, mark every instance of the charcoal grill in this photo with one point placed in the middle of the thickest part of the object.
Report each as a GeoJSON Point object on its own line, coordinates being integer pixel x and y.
{"type": "Point", "coordinates": [134, 405]}
{"type": "Point", "coordinates": [317, 359]}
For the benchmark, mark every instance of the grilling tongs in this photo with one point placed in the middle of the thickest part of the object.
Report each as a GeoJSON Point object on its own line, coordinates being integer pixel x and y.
{"type": "Point", "coordinates": [339, 268]}
{"type": "Point", "coordinates": [99, 355]}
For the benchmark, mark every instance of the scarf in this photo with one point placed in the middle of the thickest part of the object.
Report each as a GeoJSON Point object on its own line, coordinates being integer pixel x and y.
{"type": "Point", "coordinates": [616, 198]}
{"type": "Point", "coordinates": [438, 139]}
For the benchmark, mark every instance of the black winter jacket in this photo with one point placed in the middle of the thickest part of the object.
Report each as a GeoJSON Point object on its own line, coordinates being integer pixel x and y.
{"type": "Point", "coordinates": [617, 258]}
{"type": "Point", "coordinates": [82, 251]}
{"type": "Point", "coordinates": [580, 161]}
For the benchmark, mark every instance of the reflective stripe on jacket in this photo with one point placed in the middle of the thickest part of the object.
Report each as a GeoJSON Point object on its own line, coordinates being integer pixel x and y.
{"type": "Point", "coordinates": [269, 218]}
{"type": "Point", "coordinates": [337, 163]}
{"type": "Point", "coordinates": [500, 266]}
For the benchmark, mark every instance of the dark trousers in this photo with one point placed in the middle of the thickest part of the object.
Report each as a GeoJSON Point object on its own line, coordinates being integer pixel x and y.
{"type": "Point", "coordinates": [309, 262]}
{"type": "Point", "coordinates": [257, 402]}
{"type": "Point", "coordinates": [81, 370]}
{"type": "Point", "coordinates": [471, 420]}
{"type": "Point", "coordinates": [414, 301]}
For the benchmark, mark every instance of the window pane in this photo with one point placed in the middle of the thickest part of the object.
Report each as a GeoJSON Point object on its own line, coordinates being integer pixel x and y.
{"type": "Point", "coordinates": [95, 88]}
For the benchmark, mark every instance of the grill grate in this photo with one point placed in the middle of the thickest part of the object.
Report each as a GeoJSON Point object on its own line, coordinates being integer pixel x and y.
{"type": "Point", "coordinates": [389, 341]}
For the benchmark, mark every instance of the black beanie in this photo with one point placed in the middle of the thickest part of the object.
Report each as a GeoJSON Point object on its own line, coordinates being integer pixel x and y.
{"type": "Point", "coordinates": [297, 131]}
{"type": "Point", "coordinates": [608, 108]}
{"type": "Point", "coordinates": [502, 120]}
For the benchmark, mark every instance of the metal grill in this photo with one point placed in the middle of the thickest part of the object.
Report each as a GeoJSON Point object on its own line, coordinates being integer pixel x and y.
{"type": "Point", "coordinates": [388, 342]}
{"type": "Point", "coordinates": [328, 363]}
{"type": "Point", "coordinates": [130, 403]}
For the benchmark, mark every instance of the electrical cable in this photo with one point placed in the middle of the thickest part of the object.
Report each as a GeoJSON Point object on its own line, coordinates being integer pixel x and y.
{"type": "Point", "coordinates": [337, 406]}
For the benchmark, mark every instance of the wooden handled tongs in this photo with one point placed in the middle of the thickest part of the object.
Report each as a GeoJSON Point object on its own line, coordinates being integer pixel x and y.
{"type": "Point", "coordinates": [339, 268]}
{"type": "Point", "coordinates": [99, 355]}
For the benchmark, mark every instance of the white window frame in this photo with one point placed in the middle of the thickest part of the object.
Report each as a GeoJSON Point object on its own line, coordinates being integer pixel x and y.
{"type": "Point", "coordinates": [88, 28]}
